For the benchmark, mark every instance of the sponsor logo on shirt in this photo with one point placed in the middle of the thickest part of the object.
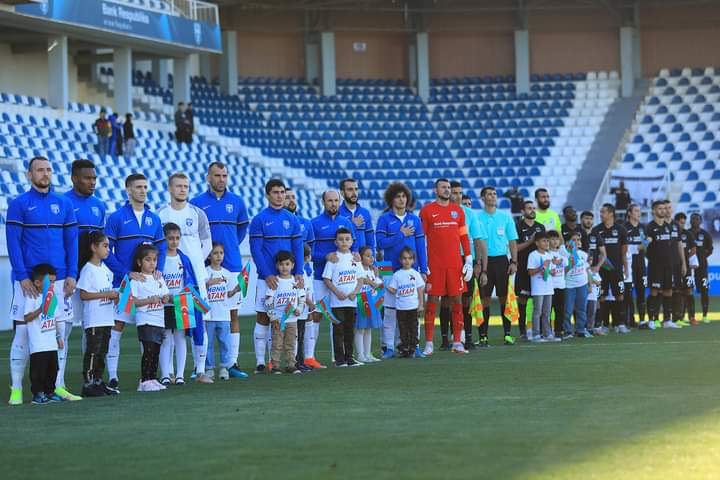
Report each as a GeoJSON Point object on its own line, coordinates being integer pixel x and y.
{"type": "Point", "coordinates": [189, 222]}
{"type": "Point", "coordinates": [406, 289]}
{"type": "Point", "coordinates": [95, 211]}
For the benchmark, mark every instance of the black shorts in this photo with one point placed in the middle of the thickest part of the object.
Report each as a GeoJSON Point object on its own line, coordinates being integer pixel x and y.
{"type": "Point", "coordinates": [497, 277]}
{"type": "Point", "coordinates": [611, 282]}
{"type": "Point", "coordinates": [678, 277]}
{"type": "Point", "coordinates": [170, 317]}
{"type": "Point", "coordinates": [660, 276]}
{"type": "Point", "coordinates": [702, 279]}
{"type": "Point", "coordinates": [522, 283]}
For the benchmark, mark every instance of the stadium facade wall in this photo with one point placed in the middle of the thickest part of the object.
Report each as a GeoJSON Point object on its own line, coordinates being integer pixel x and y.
{"type": "Point", "coordinates": [386, 55]}
{"type": "Point", "coordinates": [27, 73]}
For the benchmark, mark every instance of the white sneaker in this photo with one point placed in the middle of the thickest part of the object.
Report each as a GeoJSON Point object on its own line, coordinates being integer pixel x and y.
{"type": "Point", "coordinates": [552, 338]}
{"type": "Point", "coordinates": [428, 349]}
{"type": "Point", "coordinates": [224, 374]}
{"type": "Point", "coordinates": [537, 339]}
{"type": "Point", "coordinates": [605, 330]}
{"type": "Point", "coordinates": [210, 373]}
{"type": "Point", "coordinates": [705, 319]}
{"type": "Point", "coordinates": [372, 359]}
{"type": "Point", "coordinates": [623, 329]}
{"type": "Point", "coordinates": [599, 331]}
{"type": "Point", "coordinates": [670, 324]}
{"type": "Point", "coordinates": [159, 385]}
{"type": "Point", "coordinates": [147, 386]}
{"type": "Point", "coordinates": [459, 348]}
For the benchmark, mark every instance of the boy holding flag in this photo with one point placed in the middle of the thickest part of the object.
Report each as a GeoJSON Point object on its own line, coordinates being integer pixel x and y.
{"type": "Point", "coordinates": [541, 286]}
{"type": "Point", "coordinates": [284, 305]}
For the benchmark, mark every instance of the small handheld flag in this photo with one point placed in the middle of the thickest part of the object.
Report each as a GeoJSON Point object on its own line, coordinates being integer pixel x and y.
{"type": "Point", "coordinates": [476, 306]}
{"type": "Point", "coordinates": [287, 313]}
{"type": "Point", "coordinates": [384, 268]}
{"type": "Point", "coordinates": [197, 299]}
{"type": "Point", "coordinates": [243, 279]}
{"type": "Point", "coordinates": [608, 265]}
{"type": "Point", "coordinates": [323, 306]}
{"type": "Point", "coordinates": [511, 304]}
{"type": "Point", "coordinates": [379, 300]}
{"type": "Point", "coordinates": [546, 272]}
{"type": "Point", "coordinates": [363, 305]}
{"type": "Point", "coordinates": [49, 300]}
{"type": "Point", "coordinates": [574, 256]}
{"type": "Point", "coordinates": [184, 311]}
{"type": "Point", "coordinates": [126, 303]}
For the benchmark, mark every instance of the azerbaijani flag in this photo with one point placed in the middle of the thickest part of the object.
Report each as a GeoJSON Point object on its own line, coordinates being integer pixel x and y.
{"type": "Point", "coordinates": [511, 305]}
{"type": "Point", "coordinates": [243, 279]}
{"type": "Point", "coordinates": [476, 306]}
{"type": "Point", "coordinates": [197, 299]}
{"type": "Point", "coordinates": [608, 265]}
{"type": "Point", "coordinates": [574, 256]}
{"type": "Point", "coordinates": [49, 300]}
{"type": "Point", "coordinates": [289, 309]}
{"type": "Point", "coordinates": [184, 311]}
{"type": "Point", "coordinates": [323, 307]}
{"type": "Point", "coordinates": [126, 303]}
{"type": "Point", "coordinates": [363, 305]}
{"type": "Point", "coordinates": [546, 272]}
{"type": "Point", "coordinates": [379, 299]}
{"type": "Point", "coordinates": [384, 268]}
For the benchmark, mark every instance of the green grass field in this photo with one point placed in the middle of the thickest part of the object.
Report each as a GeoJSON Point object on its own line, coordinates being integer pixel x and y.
{"type": "Point", "coordinates": [640, 406]}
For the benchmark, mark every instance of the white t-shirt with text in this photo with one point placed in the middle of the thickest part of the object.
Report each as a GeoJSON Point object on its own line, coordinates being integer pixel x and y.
{"type": "Point", "coordinates": [406, 283]}
{"type": "Point", "coordinates": [538, 284]}
{"type": "Point", "coordinates": [153, 313]}
{"type": "Point", "coordinates": [42, 331]}
{"type": "Point", "coordinates": [344, 275]}
{"type": "Point", "coordinates": [96, 279]}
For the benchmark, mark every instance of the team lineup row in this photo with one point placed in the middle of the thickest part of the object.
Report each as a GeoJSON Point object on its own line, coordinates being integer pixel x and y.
{"type": "Point", "coordinates": [137, 267]}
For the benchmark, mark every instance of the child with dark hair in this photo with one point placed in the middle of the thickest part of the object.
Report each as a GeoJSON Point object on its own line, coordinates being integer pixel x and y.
{"type": "Point", "coordinates": [408, 287]}
{"type": "Point", "coordinates": [149, 296]}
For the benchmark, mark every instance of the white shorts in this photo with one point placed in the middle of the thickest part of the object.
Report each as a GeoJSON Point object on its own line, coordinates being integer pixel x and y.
{"type": "Point", "coordinates": [260, 291]}
{"type": "Point", "coordinates": [77, 308]}
{"type": "Point", "coordinates": [235, 301]}
{"type": "Point", "coordinates": [63, 313]}
{"type": "Point", "coordinates": [389, 299]}
{"type": "Point", "coordinates": [123, 317]}
{"type": "Point", "coordinates": [320, 290]}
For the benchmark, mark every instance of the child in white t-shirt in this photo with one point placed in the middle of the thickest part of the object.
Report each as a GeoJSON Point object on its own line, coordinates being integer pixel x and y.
{"type": "Point", "coordinates": [174, 338]}
{"type": "Point", "coordinates": [408, 286]}
{"type": "Point", "coordinates": [150, 297]}
{"type": "Point", "coordinates": [576, 288]}
{"type": "Point", "coordinates": [341, 278]}
{"type": "Point", "coordinates": [284, 305]}
{"type": "Point", "coordinates": [594, 282]}
{"type": "Point", "coordinates": [365, 323]}
{"type": "Point", "coordinates": [44, 339]}
{"type": "Point", "coordinates": [541, 287]}
{"type": "Point", "coordinates": [559, 263]}
{"type": "Point", "coordinates": [221, 287]}
{"type": "Point", "coordinates": [98, 304]}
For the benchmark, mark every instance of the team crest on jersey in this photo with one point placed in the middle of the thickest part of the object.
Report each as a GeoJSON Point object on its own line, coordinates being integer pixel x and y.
{"type": "Point", "coordinates": [286, 224]}
{"type": "Point", "coordinates": [148, 221]}
{"type": "Point", "coordinates": [95, 211]}
{"type": "Point", "coordinates": [228, 207]}
{"type": "Point", "coordinates": [189, 222]}
{"type": "Point", "coordinates": [55, 208]}
{"type": "Point", "coordinates": [614, 233]}
{"type": "Point", "coordinates": [454, 214]}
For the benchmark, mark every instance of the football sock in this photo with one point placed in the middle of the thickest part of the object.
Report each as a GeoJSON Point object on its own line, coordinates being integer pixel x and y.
{"type": "Point", "coordinates": [458, 321]}
{"type": "Point", "coordinates": [19, 355]}
{"type": "Point", "coordinates": [667, 303]}
{"type": "Point", "coordinates": [389, 327]}
{"type": "Point", "coordinates": [65, 329]}
{"type": "Point", "coordinates": [180, 352]}
{"type": "Point", "coordinates": [367, 342]}
{"type": "Point", "coordinates": [235, 346]}
{"type": "Point", "coordinates": [261, 337]}
{"type": "Point", "coordinates": [430, 320]}
{"type": "Point", "coordinates": [309, 342]}
{"type": "Point", "coordinates": [113, 355]}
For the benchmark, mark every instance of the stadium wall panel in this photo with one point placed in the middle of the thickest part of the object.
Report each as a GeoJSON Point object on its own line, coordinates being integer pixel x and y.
{"type": "Point", "coordinates": [471, 54]}
{"type": "Point", "coordinates": [27, 73]}
{"type": "Point", "coordinates": [386, 55]}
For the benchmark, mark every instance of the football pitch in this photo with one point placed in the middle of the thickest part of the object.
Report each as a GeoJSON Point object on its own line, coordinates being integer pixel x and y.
{"type": "Point", "coordinates": [640, 406]}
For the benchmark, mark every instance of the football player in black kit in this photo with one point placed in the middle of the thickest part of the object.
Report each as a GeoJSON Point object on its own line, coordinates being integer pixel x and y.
{"type": "Point", "coordinates": [688, 241]}
{"type": "Point", "coordinates": [636, 246]}
{"type": "Point", "coordinates": [612, 271]}
{"type": "Point", "coordinates": [660, 274]}
{"type": "Point", "coordinates": [527, 227]}
{"type": "Point", "coordinates": [703, 249]}
{"type": "Point", "coordinates": [677, 254]}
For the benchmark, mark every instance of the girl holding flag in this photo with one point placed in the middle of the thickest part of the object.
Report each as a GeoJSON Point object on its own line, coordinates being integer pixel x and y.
{"type": "Point", "coordinates": [149, 297]}
{"type": "Point", "coordinates": [220, 290]}
{"type": "Point", "coordinates": [368, 309]}
{"type": "Point", "coordinates": [98, 303]}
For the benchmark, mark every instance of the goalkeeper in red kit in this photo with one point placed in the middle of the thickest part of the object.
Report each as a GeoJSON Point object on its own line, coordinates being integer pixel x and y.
{"type": "Point", "coordinates": [446, 231]}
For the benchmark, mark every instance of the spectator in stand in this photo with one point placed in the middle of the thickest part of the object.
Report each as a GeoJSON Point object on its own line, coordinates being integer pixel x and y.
{"type": "Point", "coordinates": [190, 119]}
{"type": "Point", "coordinates": [516, 200]}
{"type": "Point", "coordinates": [116, 138]}
{"type": "Point", "coordinates": [103, 130]}
{"type": "Point", "coordinates": [129, 136]}
{"type": "Point", "coordinates": [622, 198]}
{"type": "Point", "coordinates": [182, 130]}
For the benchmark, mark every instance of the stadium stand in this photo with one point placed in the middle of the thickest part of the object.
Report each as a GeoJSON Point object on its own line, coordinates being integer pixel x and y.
{"type": "Point", "coordinates": [474, 129]}
{"type": "Point", "coordinates": [28, 128]}
{"type": "Point", "coordinates": [676, 128]}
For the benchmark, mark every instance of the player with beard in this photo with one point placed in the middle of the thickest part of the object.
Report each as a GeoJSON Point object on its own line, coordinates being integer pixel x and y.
{"type": "Point", "coordinates": [677, 255]}
{"type": "Point", "coordinates": [703, 249]}
{"type": "Point", "coordinates": [660, 272]}
{"type": "Point", "coordinates": [527, 228]}
{"type": "Point", "coordinates": [305, 226]}
{"type": "Point", "coordinates": [636, 248]}
{"type": "Point", "coordinates": [596, 256]}
{"type": "Point", "coordinates": [357, 214]}
{"type": "Point", "coordinates": [543, 214]}
{"type": "Point", "coordinates": [446, 232]}
{"type": "Point", "coordinates": [615, 265]}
